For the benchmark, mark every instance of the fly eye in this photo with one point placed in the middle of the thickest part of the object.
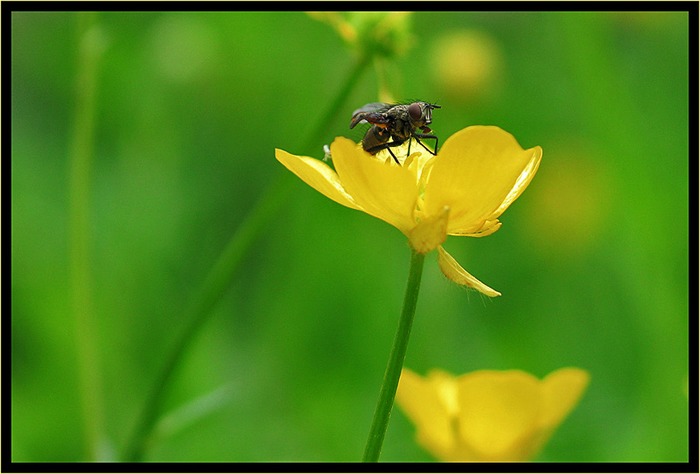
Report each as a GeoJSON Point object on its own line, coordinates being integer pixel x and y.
{"type": "Point", "coordinates": [415, 111]}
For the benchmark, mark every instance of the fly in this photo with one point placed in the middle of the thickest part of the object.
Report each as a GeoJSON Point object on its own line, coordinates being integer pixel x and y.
{"type": "Point", "coordinates": [395, 122]}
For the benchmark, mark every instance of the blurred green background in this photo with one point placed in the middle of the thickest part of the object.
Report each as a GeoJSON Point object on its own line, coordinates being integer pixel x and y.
{"type": "Point", "coordinates": [592, 260]}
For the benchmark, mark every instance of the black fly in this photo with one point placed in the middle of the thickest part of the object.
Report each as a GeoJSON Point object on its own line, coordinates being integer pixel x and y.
{"type": "Point", "coordinates": [398, 122]}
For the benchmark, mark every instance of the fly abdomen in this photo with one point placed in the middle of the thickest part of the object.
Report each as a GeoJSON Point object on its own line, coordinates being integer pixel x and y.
{"type": "Point", "coordinates": [374, 139]}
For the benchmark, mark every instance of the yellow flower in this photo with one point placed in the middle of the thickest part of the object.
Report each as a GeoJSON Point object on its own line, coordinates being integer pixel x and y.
{"type": "Point", "coordinates": [488, 416]}
{"type": "Point", "coordinates": [384, 34]}
{"type": "Point", "coordinates": [478, 172]}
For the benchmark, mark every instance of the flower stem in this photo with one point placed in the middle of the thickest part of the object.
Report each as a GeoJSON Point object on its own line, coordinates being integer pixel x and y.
{"type": "Point", "coordinates": [395, 364]}
{"type": "Point", "coordinates": [219, 277]}
{"type": "Point", "coordinates": [80, 162]}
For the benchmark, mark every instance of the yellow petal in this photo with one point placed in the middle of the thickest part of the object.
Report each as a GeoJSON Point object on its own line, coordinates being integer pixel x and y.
{"type": "Point", "coordinates": [424, 403]}
{"type": "Point", "coordinates": [522, 182]}
{"type": "Point", "coordinates": [383, 190]}
{"type": "Point", "coordinates": [480, 170]}
{"type": "Point", "coordinates": [446, 387]}
{"type": "Point", "coordinates": [318, 175]}
{"type": "Point", "coordinates": [488, 228]}
{"type": "Point", "coordinates": [452, 270]}
{"type": "Point", "coordinates": [562, 390]}
{"type": "Point", "coordinates": [430, 232]}
{"type": "Point", "coordinates": [499, 409]}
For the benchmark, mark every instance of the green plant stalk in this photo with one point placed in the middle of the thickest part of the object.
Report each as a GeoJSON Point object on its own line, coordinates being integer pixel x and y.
{"type": "Point", "coordinates": [219, 277]}
{"type": "Point", "coordinates": [80, 163]}
{"type": "Point", "coordinates": [392, 374]}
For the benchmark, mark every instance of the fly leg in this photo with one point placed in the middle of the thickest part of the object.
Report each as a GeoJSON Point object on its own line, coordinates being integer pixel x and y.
{"type": "Point", "coordinates": [387, 146]}
{"type": "Point", "coordinates": [418, 136]}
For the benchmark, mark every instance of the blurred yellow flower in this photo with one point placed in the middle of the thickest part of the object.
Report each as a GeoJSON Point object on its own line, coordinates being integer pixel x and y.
{"type": "Point", "coordinates": [385, 34]}
{"type": "Point", "coordinates": [467, 65]}
{"type": "Point", "coordinates": [477, 174]}
{"type": "Point", "coordinates": [488, 416]}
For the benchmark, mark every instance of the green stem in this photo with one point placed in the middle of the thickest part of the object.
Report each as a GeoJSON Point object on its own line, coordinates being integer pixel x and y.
{"type": "Point", "coordinates": [79, 233]}
{"type": "Point", "coordinates": [395, 364]}
{"type": "Point", "coordinates": [219, 278]}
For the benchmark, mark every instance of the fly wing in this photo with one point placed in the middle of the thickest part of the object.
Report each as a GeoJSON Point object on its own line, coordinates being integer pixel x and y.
{"type": "Point", "coordinates": [374, 113]}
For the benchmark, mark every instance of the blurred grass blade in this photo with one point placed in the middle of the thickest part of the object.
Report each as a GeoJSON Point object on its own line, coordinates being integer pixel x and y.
{"type": "Point", "coordinates": [188, 414]}
{"type": "Point", "coordinates": [219, 278]}
{"type": "Point", "coordinates": [91, 45]}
